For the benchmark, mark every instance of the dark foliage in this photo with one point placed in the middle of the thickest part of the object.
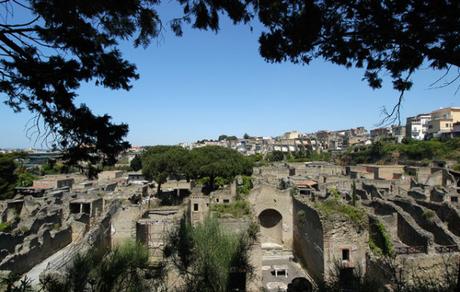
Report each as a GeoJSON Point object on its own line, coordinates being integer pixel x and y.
{"type": "Point", "coordinates": [45, 59]}
{"type": "Point", "coordinates": [8, 176]}
{"type": "Point", "coordinates": [207, 163]}
{"type": "Point", "coordinates": [136, 163]}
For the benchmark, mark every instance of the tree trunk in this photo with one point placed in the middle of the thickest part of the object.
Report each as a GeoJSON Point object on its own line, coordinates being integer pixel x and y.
{"type": "Point", "coordinates": [158, 189]}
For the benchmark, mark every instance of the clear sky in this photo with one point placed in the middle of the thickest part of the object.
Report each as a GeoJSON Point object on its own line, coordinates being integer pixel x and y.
{"type": "Point", "coordinates": [204, 84]}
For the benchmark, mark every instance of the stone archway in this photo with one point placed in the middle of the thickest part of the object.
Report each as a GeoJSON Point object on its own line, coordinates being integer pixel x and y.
{"type": "Point", "coordinates": [271, 226]}
{"type": "Point", "coordinates": [300, 284]}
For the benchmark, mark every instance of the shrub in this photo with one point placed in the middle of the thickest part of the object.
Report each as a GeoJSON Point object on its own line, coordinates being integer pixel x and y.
{"type": "Point", "coordinates": [246, 186]}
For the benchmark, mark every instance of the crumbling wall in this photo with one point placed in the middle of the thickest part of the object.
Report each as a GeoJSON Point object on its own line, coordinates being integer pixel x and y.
{"type": "Point", "coordinates": [433, 224]}
{"type": "Point", "coordinates": [434, 268]}
{"type": "Point", "coordinates": [437, 195]}
{"type": "Point", "coordinates": [340, 234]}
{"type": "Point", "coordinates": [37, 248]}
{"type": "Point", "coordinates": [447, 213]}
{"type": "Point", "coordinates": [407, 229]}
{"type": "Point", "coordinates": [264, 197]}
{"type": "Point", "coordinates": [308, 239]}
{"type": "Point", "coordinates": [8, 243]}
{"type": "Point", "coordinates": [123, 223]}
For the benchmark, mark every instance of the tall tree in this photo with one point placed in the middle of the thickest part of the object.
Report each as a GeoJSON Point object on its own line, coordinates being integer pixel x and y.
{"type": "Point", "coordinates": [161, 162]}
{"type": "Point", "coordinates": [136, 163]}
{"type": "Point", "coordinates": [214, 161]}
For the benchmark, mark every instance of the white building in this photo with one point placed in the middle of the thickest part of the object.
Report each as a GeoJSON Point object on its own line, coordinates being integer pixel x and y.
{"type": "Point", "coordinates": [416, 127]}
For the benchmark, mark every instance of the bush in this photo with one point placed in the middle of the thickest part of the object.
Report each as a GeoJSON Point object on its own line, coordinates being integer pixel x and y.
{"type": "Point", "coordinates": [210, 255]}
{"type": "Point", "coordinates": [246, 186]}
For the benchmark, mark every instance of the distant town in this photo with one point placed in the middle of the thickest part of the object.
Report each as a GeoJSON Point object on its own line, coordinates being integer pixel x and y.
{"type": "Point", "coordinates": [441, 123]}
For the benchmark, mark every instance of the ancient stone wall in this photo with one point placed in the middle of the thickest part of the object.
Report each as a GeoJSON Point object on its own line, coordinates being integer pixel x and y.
{"type": "Point", "coordinates": [430, 223]}
{"type": "Point", "coordinates": [123, 223]}
{"type": "Point", "coordinates": [342, 237]}
{"type": "Point", "coordinates": [38, 248]}
{"type": "Point", "coordinates": [447, 213]}
{"type": "Point", "coordinates": [265, 197]}
{"type": "Point", "coordinates": [234, 225]}
{"type": "Point", "coordinates": [408, 231]}
{"type": "Point", "coordinates": [308, 239]}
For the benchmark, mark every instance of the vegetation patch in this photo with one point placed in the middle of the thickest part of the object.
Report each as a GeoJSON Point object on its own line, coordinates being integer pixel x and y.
{"type": "Point", "coordinates": [301, 217]}
{"type": "Point", "coordinates": [5, 227]}
{"type": "Point", "coordinates": [380, 240]}
{"type": "Point", "coordinates": [237, 209]}
{"type": "Point", "coordinates": [409, 151]}
{"type": "Point", "coordinates": [333, 206]}
{"type": "Point", "coordinates": [246, 186]}
{"type": "Point", "coordinates": [206, 254]}
{"type": "Point", "coordinates": [428, 215]}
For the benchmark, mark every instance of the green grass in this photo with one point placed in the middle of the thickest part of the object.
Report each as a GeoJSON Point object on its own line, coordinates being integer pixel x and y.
{"type": "Point", "coordinates": [237, 209]}
{"type": "Point", "coordinates": [333, 206]}
{"type": "Point", "coordinates": [4, 226]}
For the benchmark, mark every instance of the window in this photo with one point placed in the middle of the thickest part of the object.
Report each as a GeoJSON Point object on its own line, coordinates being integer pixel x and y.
{"type": "Point", "coordinates": [217, 200]}
{"type": "Point", "coordinates": [195, 207]}
{"type": "Point", "coordinates": [454, 199]}
{"type": "Point", "coordinates": [226, 201]}
{"type": "Point", "coordinates": [345, 254]}
{"type": "Point", "coordinates": [447, 125]}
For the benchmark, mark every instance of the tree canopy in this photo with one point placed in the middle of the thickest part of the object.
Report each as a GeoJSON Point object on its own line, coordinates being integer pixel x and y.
{"type": "Point", "coordinates": [214, 161]}
{"type": "Point", "coordinates": [8, 176]}
{"type": "Point", "coordinates": [136, 163]}
{"type": "Point", "coordinates": [162, 162]}
{"type": "Point", "coordinates": [45, 58]}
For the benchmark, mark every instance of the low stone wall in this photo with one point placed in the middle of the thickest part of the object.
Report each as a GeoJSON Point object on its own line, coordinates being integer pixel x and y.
{"type": "Point", "coordinates": [39, 248]}
{"type": "Point", "coordinates": [434, 225]}
{"type": "Point", "coordinates": [372, 190]}
{"type": "Point", "coordinates": [407, 229]}
{"type": "Point", "coordinates": [447, 213]}
{"type": "Point", "coordinates": [424, 268]}
{"type": "Point", "coordinates": [9, 241]}
{"type": "Point", "coordinates": [414, 269]}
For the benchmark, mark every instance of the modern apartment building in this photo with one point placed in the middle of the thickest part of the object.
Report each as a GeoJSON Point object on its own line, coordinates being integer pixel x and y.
{"type": "Point", "coordinates": [416, 127]}
{"type": "Point", "coordinates": [442, 121]}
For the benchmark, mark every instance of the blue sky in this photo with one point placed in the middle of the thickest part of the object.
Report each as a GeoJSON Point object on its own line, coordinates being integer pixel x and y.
{"type": "Point", "coordinates": [204, 84]}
